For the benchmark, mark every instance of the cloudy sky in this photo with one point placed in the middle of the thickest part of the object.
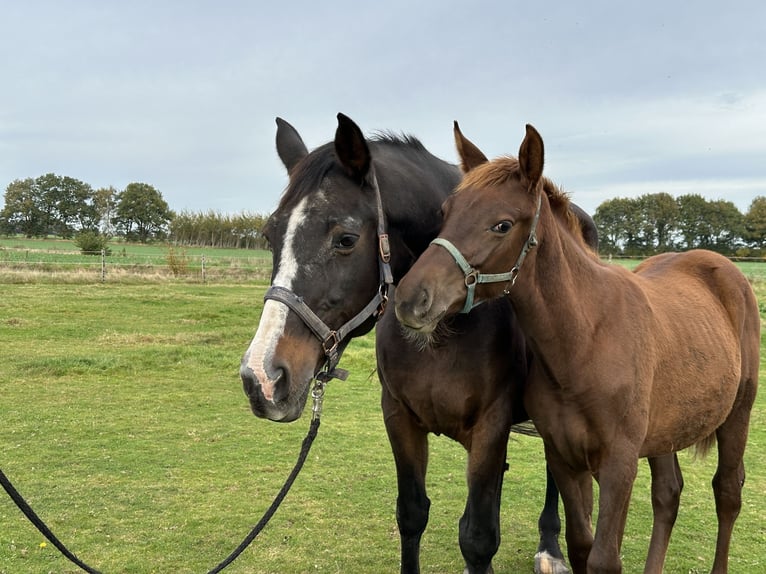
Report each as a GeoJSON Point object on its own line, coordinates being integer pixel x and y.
{"type": "Point", "coordinates": [630, 98]}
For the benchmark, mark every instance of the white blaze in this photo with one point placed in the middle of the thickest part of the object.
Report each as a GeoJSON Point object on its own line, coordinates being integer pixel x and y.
{"type": "Point", "coordinates": [274, 316]}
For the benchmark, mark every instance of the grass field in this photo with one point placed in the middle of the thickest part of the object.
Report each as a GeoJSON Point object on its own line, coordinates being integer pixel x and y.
{"type": "Point", "coordinates": [44, 260]}
{"type": "Point", "coordinates": [124, 424]}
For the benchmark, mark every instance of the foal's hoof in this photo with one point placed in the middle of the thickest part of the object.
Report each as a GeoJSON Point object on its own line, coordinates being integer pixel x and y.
{"type": "Point", "coordinates": [547, 564]}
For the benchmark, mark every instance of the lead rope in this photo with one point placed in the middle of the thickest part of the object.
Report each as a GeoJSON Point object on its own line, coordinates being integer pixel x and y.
{"type": "Point", "coordinates": [40, 525]}
{"type": "Point", "coordinates": [317, 394]}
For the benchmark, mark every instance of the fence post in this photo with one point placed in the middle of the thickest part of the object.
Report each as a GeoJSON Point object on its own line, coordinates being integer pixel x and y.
{"type": "Point", "coordinates": [204, 280]}
{"type": "Point", "coordinates": [103, 265]}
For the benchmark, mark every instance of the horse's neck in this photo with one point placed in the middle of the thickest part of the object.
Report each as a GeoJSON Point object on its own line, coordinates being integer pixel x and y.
{"type": "Point", "coordinates": [557, 294]}
{"type": "Point", "coordinates": [413, 224]}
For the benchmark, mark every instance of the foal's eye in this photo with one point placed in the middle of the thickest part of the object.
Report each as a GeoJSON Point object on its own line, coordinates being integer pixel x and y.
{"type": "Point", "coordinates": [502, 227]}
{"type": "Point", "coordinates": [346, 241]}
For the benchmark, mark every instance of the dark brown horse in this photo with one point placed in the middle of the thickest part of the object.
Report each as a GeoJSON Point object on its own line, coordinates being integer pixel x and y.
{"type": "Point", "coordinates": [325, 240]}
{"type": "Point", "coordinates": [625, 365]}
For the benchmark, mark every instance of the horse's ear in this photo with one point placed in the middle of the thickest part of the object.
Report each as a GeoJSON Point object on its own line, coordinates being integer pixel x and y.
{"type": "Point", "coordinates": [470, 155]}
{"type": "Point", "coordinates": [351, 148]}
{"type": "Point", "coordinates": [290, 146]}
{"type": "Point", "coordinates": [532, 156]}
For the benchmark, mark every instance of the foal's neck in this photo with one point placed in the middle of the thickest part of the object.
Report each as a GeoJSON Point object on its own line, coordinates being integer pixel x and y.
{"type": "Point", "coordinates": [558, 294]}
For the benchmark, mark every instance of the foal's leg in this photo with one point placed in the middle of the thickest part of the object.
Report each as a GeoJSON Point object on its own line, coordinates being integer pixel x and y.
{"type": "Point", "coordinates": [549, 558]}
{"type": "Point", "coordinates": [667, 484]}
{"type": "Point", "coordinates": [576, 490]}
{"type": "Point", "coordinates": [616, 475]}
{"type": "Point", "coordinates": [480, 524]}
{"type": "Point", "coordinates": [730, 476]}
{"type": "Point", "coordinates": [410, 448]}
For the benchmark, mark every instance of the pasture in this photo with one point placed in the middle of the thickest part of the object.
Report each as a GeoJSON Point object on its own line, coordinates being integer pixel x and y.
{"type": "Point", "coordinates": [125, 426]}
{"type": "Point", "coordinates": [24, 260]}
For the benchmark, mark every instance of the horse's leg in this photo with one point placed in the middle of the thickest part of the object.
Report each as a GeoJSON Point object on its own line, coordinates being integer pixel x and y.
{"type": "Point", "coordinates": [549, 558]}
{"type": "Point", "coordinates": [616, 475]}
{"type": "Point", "coordinates": [730, 476]}
{"type": "Point", "coordinates": [479, 530]}
{"type": "Point", "coordinates": [667, 484]}
{"type": "Point", "coordinates": [409, 445]}
{"type": "Point", "coordinates": [576, 490]}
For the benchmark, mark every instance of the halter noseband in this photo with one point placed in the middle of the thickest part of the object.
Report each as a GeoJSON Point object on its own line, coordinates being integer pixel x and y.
{"type": "Point", "coordinates": [472, 275]}
{"type": "Point", "coordinates": [332, 338]}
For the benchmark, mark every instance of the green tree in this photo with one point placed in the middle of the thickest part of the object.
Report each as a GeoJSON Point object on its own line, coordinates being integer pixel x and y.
{"type": "Point", "coordinates": [142, 214]}
{"type": "Point", "coordinates": [693, 227]}
{"type": "Point", "coordinates": [105, 204]}
{"type": "Point", "coordinates": [21, 212]}
{"type": "Point", "coordinates": [91, 242]}
{"type": "Point", "coordinates": [726, 226]}
{"type": "Point", "coordinates": [755, 222]}
{"type": "Point", "coordinates": [660, 217]}
{"type": "Point", "coordinates": [66, 204]}
{"type": "Point", "coordinates": [218, 230]}
{"type": "Point", "coordinates": [619, 226]}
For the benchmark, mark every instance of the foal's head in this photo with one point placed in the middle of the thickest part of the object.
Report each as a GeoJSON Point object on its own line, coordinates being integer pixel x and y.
{"type": "Point", "coordinates": [493, 220]}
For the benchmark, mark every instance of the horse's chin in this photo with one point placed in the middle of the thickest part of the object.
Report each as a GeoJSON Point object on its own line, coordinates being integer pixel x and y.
{"type": "Point", "coordinates": [427, 335]}
{"type": "Point", "coordinates": [283, 412]}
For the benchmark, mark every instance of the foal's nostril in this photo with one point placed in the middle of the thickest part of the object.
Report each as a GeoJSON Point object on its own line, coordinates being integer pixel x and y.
{"type": "Point", "coordinates": [424, 303]}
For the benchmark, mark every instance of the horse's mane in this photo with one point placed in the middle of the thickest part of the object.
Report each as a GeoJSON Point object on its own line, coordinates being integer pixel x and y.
{"type": "Point", "coordinates": [312, 169]}
{"type": "Point", "coordinates": [502, 170]}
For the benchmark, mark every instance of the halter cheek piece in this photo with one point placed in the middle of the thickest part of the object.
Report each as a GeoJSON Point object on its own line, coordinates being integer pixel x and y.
{"type": "Point", "coordinates": [472, 275]}
{"type": "Point", "coordinates": [332, 338]}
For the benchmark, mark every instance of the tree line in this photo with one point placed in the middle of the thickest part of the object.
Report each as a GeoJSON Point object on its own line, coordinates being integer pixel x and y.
{"type": "Point", "coordinates": [66, 207]}
{"type": "Point", "coordinates": [654, 223]}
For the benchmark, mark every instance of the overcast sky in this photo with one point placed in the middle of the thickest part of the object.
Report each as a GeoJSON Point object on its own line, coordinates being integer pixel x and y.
{"type": "Point", "coordinates": [630, 98]}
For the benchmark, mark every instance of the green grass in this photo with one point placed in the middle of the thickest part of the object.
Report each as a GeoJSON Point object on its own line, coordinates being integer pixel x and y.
{"type": "Point", "coordinates": [123, 422]}
{"type": "Point", "coordinates": [58, 260]}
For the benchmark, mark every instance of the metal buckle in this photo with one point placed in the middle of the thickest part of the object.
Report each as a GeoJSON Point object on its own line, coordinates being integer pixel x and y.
{"type": "Point", "coordinates": [384, 246]}
{"type": "Point", "coordinates": [330, 344]}
{"type": "Point", "coordinates": [383, 292]}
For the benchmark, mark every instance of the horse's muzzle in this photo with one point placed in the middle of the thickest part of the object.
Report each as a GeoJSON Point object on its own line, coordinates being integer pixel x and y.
{"type": "Point", "coordinates": [278, 407]}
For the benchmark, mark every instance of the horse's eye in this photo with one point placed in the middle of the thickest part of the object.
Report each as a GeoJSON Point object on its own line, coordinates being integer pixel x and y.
{"type": "Point", "coordinates": [502, 227]}
{"type": "Point", "coordinates": [346, 241]}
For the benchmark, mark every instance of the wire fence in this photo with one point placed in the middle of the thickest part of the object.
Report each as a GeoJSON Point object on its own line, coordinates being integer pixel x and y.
{"type": "Point", "coordinates": [24, 265]}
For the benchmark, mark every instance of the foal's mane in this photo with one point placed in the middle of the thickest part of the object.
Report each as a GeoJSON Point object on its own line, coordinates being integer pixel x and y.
{"type": "Point", "coordinates": [312, 169]}
{"type": "Point", "coordinates": [501, 171]}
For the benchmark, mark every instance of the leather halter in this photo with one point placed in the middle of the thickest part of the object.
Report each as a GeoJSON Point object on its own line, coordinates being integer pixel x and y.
{"type": "Point", "coordinates": [472, 276]}
{"type": "Point", "coordinates": [332, 338]}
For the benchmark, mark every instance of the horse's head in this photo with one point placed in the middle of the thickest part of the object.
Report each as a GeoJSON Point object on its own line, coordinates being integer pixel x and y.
{"type": "Point", "coordinates": [325, 246]}
{"type": "Point", "coordinates": [491, 226]}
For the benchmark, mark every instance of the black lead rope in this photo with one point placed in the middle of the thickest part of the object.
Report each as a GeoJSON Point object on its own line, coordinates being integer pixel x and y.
{"type": "Point", "coordinates": [317, 394]}
{"type": "Point", "coordinates": [277, 501]}
{"type": "Point", "coordinates": [40, 525]}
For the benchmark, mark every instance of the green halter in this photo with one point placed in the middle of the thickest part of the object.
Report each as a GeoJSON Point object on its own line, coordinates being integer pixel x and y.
{"type": "Point", "coordinates": [472, 275]}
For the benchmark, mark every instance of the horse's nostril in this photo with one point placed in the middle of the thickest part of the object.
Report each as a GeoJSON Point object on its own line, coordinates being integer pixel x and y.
{"type": "Point", "coordinates": [281, 387]}
{"type": "Point", "coordinates": [247, 375]}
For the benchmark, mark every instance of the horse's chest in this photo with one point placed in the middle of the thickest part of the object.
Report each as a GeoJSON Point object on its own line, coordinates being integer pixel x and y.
{"type": "Point", "coordinates": [572, 423]}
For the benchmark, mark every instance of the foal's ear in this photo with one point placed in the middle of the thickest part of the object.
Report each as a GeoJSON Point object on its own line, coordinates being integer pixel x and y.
{"type": "Point", "coordinates": [351, 148]}
{"type": "Point", "coordinates": [531, 156]}
{"type": "Point", "coordinates": [290, 146]}
{"type": "Point", "coordinates": [470, 155]}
